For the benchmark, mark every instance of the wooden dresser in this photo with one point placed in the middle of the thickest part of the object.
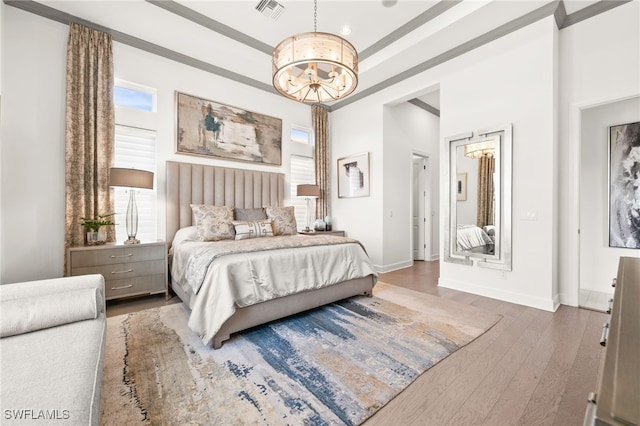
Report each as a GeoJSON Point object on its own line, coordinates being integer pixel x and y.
{"type": "Point", "coordinates": [128, 270]}
{"type": "Point", "coordinates": [617, 400]}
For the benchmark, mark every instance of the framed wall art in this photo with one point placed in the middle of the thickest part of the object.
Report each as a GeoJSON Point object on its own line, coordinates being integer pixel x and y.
{"type": "Point", "coordinates": [624, 185]}
{"type": "Point", "coordinates": [211, 129]}
{"type": "Point", "coordinates": [353, 176]}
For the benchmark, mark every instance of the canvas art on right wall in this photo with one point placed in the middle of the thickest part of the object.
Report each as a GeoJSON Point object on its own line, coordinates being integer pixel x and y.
{"type": "Point", "coordinates": [624, 185]}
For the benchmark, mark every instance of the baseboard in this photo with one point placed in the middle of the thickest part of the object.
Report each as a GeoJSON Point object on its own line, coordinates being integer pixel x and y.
{"type": "Point", "coordinates": [534, 302]}
{"type": "Point", "coordinates": [394, 266]}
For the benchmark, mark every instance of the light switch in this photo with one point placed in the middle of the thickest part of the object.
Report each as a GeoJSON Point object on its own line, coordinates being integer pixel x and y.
{"type": "Point", "coordinates": [530, 215]}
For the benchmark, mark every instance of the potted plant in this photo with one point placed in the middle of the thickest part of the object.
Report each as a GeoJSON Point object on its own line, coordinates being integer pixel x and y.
{"type": "Point", "coordinates": [93, 225]}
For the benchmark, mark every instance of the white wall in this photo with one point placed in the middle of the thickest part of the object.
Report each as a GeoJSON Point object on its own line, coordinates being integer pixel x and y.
{"type": "Point", "coordinates": [354, 131]}
{"type": "Point", "coordinates": [33, 134]}
{"type": "Point", "coordinates": [599, 63]}
{"type": "Point", "coordinates": [407, 130]}
{"type": "Point", "coordinates": [510, 80]}
{"type": "Point", "coordinates": [2, 6]}
{"type": "Point", "coordinates": [598, 261]}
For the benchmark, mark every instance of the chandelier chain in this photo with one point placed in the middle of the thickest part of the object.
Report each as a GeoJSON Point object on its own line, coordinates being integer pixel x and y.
{"type": "Point", "coordinates": [315, 16]}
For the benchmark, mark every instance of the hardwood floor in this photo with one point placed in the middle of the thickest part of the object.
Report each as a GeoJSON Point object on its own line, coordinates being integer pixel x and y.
{"type": "Point", "coordinates": [532, 368]}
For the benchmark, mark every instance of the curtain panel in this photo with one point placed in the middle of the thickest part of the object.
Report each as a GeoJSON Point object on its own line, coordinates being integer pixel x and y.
{"type": "Point", "coordinates": [320, 119]}
{"type": "Point", "coordinates": [486, 169]}
{"type": "Point", "coordinates": [90, 130]}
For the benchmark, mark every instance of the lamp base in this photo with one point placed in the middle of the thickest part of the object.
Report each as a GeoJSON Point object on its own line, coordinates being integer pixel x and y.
{"type": "Point", "coordinates": [131, 240]}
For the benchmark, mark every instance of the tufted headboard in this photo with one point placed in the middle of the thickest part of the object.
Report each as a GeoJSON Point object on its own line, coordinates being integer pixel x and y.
{"type": "Point", "coordinates": [221, 186]}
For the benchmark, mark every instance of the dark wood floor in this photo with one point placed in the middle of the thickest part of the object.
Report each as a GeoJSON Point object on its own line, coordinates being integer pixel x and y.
{"type": "Point", "coordinates": [532, 368]}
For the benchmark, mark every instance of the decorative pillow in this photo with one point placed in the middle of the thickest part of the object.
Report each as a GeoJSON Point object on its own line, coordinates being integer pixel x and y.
{"type": "Point", "coordinates": [284, 220]}
{"type": "Point", "coordinates": [249, 214]}
{"type": "Point", "coordinates": [48, 310]}
{"type": "Point", "coordinates": [213, 222]}
{"type": "Point", "coordinates": [256, 229]}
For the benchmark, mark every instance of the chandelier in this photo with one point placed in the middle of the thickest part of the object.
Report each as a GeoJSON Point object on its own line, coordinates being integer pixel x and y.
{"type": "Point", "coordinates": [480, 149]}
{"type": "Point", "coordinates": [315, 67]}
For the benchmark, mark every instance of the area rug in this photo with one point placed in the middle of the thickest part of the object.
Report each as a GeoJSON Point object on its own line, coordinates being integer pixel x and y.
{"type": "Point", "coordinates": [337, 364]}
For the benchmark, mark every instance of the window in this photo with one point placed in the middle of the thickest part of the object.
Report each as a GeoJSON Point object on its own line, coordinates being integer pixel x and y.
{"type": "Point", "coordinates": [134, 96]}
{"type": "Point", "coordinates": [136, 148]}
{"type": "Point", "coordinates": [303, 170]}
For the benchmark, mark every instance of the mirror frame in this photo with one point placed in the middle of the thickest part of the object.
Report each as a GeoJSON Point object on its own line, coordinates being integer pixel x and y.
{"type": "Point", "coordinates": [502, 257]}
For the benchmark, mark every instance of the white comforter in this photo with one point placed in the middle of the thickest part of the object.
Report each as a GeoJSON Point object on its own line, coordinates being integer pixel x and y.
{"type": "Point", "coordinates": [247, 278]}
{"type": "Point", "coordinates": [471, 236]}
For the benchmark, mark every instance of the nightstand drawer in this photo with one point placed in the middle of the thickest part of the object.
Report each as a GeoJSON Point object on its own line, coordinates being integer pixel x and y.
{"type": "Point", "coordinates": [116, 255]}
{"type": "Point", "coordinates": [148, 284]}
{"type": "Point", "coordinates": [123, 270]}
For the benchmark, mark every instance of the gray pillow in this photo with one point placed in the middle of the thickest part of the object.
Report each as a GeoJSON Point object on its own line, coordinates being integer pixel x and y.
{"type": "Point", "coordinates": [249, 215]}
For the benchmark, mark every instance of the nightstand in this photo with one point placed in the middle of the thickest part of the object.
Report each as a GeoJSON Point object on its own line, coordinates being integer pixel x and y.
{"type": "Point", "coordinates": [338, 233]}
{"type": "Point", "coordinates": [128, 269]}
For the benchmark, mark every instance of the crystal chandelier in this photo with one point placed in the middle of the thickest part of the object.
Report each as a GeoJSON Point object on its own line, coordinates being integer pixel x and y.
{"type": "Point", "coordinates": [315, 67]}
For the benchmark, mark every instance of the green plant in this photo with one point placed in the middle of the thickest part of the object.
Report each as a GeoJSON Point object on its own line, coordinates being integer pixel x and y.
{"type": "Point", "coordinates": [94, 223]}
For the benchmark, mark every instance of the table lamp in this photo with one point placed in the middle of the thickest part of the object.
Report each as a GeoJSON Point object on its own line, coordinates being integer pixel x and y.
{"type": "Point", "coordinates": [131, 178]}
{"type": "Point", "coordinates": [309, 192]}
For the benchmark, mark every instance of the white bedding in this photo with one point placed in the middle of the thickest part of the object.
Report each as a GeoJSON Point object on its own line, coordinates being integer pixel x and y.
{"type": "Point", "coordinates": [471, 236]}
{"type": "Point", "coordinates": [247, 278]}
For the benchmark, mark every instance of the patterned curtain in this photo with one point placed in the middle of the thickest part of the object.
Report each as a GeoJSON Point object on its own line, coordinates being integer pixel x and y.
{"type": "Point", "coordinates": [486, 169]}
{"type": "Point", "coordinates": [90, 130]}
{"type": "Point", "coordinates": [320, 118]}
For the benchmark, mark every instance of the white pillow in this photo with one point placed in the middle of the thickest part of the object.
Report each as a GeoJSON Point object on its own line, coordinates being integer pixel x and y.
{"type": "Point", "coordinates": [190, 233]}
{"type": "Point", "coordinates": [49, 310]}
{"type": "Point", "coordinates": [253, 229]}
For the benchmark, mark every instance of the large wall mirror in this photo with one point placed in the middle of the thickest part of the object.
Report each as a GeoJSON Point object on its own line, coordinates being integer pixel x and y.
{"type": "Point", "coordinates": [479, 215]}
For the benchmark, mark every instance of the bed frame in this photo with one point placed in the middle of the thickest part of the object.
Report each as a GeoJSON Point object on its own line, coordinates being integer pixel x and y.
{"type": "Point", "coordinates": [200, 184]}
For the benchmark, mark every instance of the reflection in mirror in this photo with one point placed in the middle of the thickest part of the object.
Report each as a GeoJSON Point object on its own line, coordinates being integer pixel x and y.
{"type": "Point", "coordinates": [479, 219]}
{"type": "Point", "coordinates": [475, 213]}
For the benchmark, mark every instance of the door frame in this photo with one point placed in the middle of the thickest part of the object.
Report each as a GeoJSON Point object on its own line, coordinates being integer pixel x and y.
{"type": "Point", "coordinates": [428, 202]}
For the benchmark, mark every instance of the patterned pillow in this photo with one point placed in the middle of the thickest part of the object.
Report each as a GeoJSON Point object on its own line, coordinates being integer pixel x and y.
{"type": "Point", "coordinates": [213, 222]}
{"type": "Point", "coordinates": [284, 220]}
{"type": "Point", "coordinates": [249, 214]}
{"type": "Point", "coordinates": [256, 229]}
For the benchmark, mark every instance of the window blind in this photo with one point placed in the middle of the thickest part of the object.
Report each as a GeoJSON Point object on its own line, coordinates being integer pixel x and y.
{"type": "Point", "coordinates": [136, 148]}
{"type": "Point", "coordinates": [302, 171]}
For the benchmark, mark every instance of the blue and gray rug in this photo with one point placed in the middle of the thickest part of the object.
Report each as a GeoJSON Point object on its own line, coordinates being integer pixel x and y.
{"type": "Point", "coordinates": [337, 364]}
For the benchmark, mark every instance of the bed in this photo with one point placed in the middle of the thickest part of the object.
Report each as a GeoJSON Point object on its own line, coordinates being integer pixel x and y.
{"type": "Point", "coordinates": [217, 312]}
{"type": "Point", "coordinates": [471, 238]}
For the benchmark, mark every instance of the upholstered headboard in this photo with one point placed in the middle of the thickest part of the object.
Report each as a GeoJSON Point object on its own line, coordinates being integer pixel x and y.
{"type": "Point", "coordinates": [221, 186]}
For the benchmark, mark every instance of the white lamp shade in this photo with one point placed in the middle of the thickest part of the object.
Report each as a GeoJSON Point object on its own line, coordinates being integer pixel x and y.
{"type": "Point", "coordinates": [130, 178]}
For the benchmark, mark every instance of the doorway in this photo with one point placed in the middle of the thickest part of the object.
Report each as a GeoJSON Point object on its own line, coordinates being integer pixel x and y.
{"type": "Point", "coordinates": [421, 223]}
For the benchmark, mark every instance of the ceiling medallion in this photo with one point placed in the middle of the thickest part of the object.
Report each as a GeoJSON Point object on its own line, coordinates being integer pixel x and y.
{"type": "Point", "coordinates": [315, 67]}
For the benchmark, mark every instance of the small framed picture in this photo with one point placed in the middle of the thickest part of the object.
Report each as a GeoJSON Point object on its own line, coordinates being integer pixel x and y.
{"type": "Point", "coordinates": [353, 176]}
{"type": "Point", "coordinates": [461, 187]}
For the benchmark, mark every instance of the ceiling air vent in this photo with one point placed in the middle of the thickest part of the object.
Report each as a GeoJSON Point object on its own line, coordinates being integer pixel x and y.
{"type": "Point", "coordinates": [270, 8]}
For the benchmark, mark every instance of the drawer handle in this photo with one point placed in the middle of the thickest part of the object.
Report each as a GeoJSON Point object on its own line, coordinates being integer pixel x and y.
{"type": "Point", "coordinates": [122, 255]}
{"type": "Point", "coordinates": [610, 308]}
{"type": "Point", "coordinates": [605, 334]}
{"type": "Point", "coordinates": [123, 287]}
{"type": "Point", "coordinates": [122, 272]}
{"type": "Point", "coordinates": [614, 282]}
